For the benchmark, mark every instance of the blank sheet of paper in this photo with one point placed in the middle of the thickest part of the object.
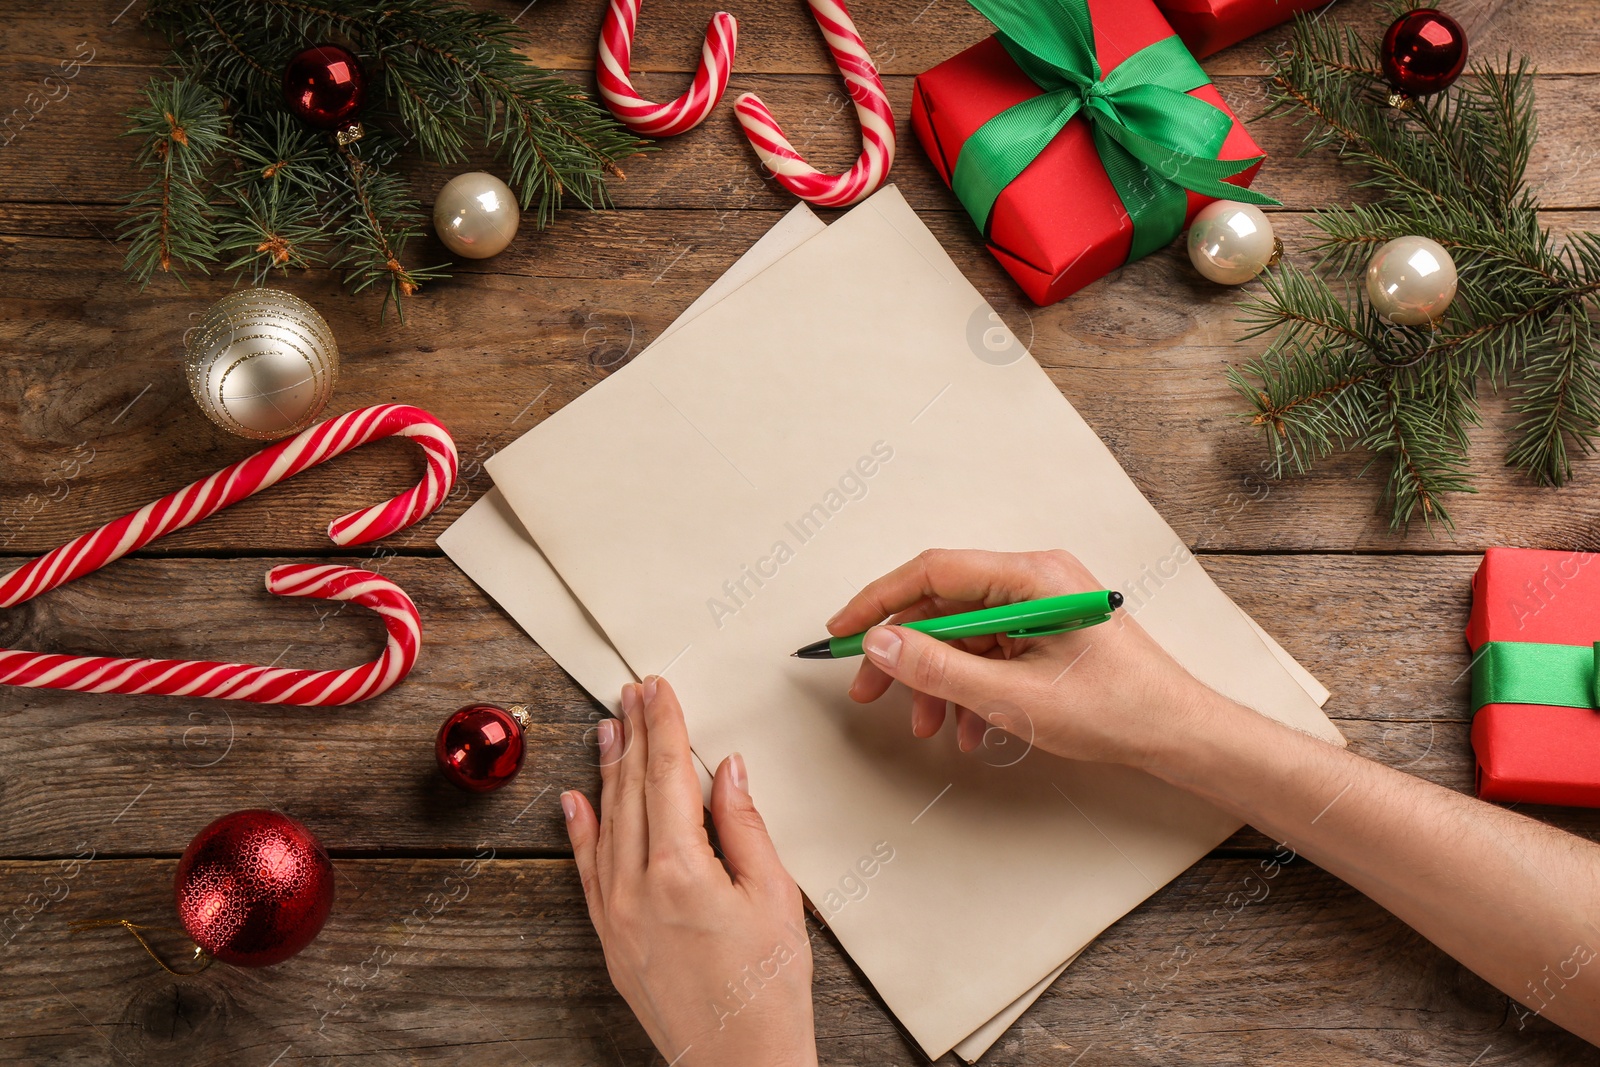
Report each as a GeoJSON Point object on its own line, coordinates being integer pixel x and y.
{"type": "Point", "coordinates": [492, 547]}
{"type": "Point", "coordinates": [717, 501]}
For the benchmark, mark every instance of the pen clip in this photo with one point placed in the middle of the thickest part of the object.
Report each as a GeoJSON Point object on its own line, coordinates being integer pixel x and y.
{"type": "Point", "coordinates": [1046, 631]}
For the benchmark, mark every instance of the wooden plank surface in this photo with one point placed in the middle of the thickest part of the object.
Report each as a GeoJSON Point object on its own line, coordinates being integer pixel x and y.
{"type": "Point", "coordinates": [1141, 355]}
{"type": "Point", "coordinates": [1389, 647]}
{"type": "Point", "coordinates": [76, 155]}
{"type": "Point", "coordinates": [487, 960]}
{"type": "Point", "coordinates": [459, 934]}
{"type": "Point", "coordinates": [780, 38]}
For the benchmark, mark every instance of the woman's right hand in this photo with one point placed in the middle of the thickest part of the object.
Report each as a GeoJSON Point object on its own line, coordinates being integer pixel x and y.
{"type": "Point", "coordinates": [1107, 693]}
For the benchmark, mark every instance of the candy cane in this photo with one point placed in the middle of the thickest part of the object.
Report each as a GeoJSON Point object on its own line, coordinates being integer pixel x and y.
{"type": "Point", "coordinates": [187, 506]}
{"type": "Point", "coordinates": [675, 116]}
{"type": "Point", "coordinates": [872, 110]}
{"type": "Point", "coordinates": [244, 681]}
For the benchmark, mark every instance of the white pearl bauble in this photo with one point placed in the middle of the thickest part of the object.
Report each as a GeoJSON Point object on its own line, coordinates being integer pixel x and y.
{"type": "Point", "coordinates": [1230, 242]}
{"type": "Point", "coordinates": [262, 363]}
{"type": "Point", "coordinates": [1411, 281]}
{"type": "Point", "coordinates": [476, 215]}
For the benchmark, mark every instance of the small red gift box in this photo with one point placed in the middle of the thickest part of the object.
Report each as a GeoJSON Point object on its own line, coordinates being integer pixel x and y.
{"type": "Point", "coordinates": [1535, 620]}
{"type": "Point", "coordinates": [1060, 224]}
{"type": "Point", "coordinates": [1208, 26]}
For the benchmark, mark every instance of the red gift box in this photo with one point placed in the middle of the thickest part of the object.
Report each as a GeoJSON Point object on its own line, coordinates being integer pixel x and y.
{"type": "Point", "coordinates": [1208, 26]}
{"type": "Point", "coordinates": [1060, 224]}
{"type": "Point", "coordinates": [1536, 753]}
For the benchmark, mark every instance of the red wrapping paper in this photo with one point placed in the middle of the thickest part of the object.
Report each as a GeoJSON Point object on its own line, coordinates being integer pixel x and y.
{"type": "Point", "coordinates": [1535, 753]}
{"type": "Point", "coordinates": [1208, 26]}
{"type": "Point", "coordinates": [1060, 224]}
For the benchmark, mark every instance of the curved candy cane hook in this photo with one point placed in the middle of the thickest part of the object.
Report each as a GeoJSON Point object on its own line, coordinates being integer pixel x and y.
{"type": "Point", "coordinates": [872, 109]}
{"type": "Point", "coordinates": [675, 116]}
{"type": "Point", "coordinates": [244, 681]}
{"type": "Point", "coordinates": [202, 499]}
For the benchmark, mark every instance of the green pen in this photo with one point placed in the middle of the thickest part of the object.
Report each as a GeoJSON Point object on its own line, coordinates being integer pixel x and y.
{"type": "Point", "coordinates": [1031, 618]}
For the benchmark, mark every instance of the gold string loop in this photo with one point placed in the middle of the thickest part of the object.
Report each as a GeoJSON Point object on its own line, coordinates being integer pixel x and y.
{"type": "Point", "coordinates": [200, 955]}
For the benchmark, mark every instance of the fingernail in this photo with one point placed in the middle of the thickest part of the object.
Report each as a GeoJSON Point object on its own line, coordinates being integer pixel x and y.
{"type": "Point", "coordinates": [835, 618]}
{"type": "Point", "coordinates": [883, 645]}
{"type": "Point", "coordinates": [630, 699]}
{"type": "Point", "coordinates": [569, 806]}
{"type": "Point", "coordinates": [650, 689]}
{"type": "Point", "coordinates": [736, 774]}
{"type": "Point", "coordinates": [970, 734]}
{"type": "Point", "coordinates": [604, 731]}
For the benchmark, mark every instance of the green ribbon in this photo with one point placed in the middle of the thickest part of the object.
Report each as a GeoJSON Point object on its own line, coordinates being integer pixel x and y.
{"type": "Point", "coordinates": [1154, 139]}
{"type": "Point", "coordinates": [1526, 672]}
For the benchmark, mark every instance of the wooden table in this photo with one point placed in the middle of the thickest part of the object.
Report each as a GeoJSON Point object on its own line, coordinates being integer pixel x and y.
{"type": "Point", "coordinates": [459, 934]}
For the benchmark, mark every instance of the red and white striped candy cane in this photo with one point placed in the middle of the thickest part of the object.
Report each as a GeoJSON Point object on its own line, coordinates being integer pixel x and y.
{"type": "Point", "coordinates": [187, 506]}
{"type": "Point", "coordinates": [244, 681]}
{"type": "Point", "coordinates": [872, 110]}
{"type": "Point", "coordinates": [675, 116]}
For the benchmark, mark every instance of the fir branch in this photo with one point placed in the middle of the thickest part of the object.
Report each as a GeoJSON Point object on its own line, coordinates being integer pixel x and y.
{"type": "Point", "coordinates": [1418, 433]}
{"type": "Point", "coordinates": [1352, 234]}
{"type": "Point", "coordinates": [441, 78]}
{"type": "Point", "coordinates": [1559, 401]}
{"type": "Point", "coordinates": [377, 219]}
{"type": "Point", "coordinates": [1335, 376]}
{"type": "Point", "coordinates": [445, 70]}
{"type": "Point", "coordinates": [1305, 417]}
{"type": "Point", "coordinates": [276, 219]}
{"type": "Point", "coordinates": [170, 221]}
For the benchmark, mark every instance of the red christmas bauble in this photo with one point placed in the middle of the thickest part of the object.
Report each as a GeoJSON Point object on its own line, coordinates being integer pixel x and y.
{"type": "Point", "coordinates": [325, 86]}
{"type": "Point", "coordinates": [480, 748]}
{"type": "Point", "coordinates": [1423, 52]}
{"type": "Point", "coordinates": [254, 888]}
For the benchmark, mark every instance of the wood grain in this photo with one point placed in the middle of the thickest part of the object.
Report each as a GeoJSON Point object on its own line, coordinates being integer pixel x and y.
{"type": "Point", "coordinates": [780, 37]}
{"type": "Point", "coordinates": [142, 775]}
{"type": "Point", "coordinates": [1141, 353]}
{"type": "Point", "coordinates": [76, 154]}
{"type": "Point", "coordinates": [493, 959]}
{"type": "Point", "coordinates": [438, 953]}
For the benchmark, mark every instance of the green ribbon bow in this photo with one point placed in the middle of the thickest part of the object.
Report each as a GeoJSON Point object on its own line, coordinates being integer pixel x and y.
{"type": "Point", "coordinates": [1526, 672]}
{"type": "Point", "coordinates": [1155, 140]}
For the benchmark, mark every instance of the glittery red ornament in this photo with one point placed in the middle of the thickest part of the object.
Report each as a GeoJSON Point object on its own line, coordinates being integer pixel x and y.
{"type": "Point", "coordinates": [480, 747]}
{"type": "Point", "coordinates": [325, 86]}
{"type": "Point", "coordinates": [1423, 52]}
{"type": "Point", "coordinates": [253, 888]}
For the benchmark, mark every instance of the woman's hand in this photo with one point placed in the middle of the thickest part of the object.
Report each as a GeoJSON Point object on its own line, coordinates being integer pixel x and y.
{"type": "Point", "coordinates": [712, 955]}
{"type": "Point", "coordinates": [1106, 693]}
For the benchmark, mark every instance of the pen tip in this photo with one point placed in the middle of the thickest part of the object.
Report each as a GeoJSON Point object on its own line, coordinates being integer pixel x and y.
{"type": "Point", "coordinates": [1114, 598]}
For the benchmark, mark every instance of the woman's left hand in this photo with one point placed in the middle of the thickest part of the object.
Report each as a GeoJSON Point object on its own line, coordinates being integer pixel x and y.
{"type": "Point", "coordinates": [711, 954]}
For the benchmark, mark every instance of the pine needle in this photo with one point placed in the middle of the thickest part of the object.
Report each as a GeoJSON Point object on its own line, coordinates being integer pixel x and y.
{"type": "Point", "coordinates": [170, 222]}
{"type": "Point", "coordinates": [1335, 376]}
{"type": "Point", "coordinates": [236, 180]}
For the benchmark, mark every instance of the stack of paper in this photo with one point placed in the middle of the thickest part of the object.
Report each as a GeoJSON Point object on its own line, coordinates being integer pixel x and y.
{"type": "Point", "coordinates": [700, 513]}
